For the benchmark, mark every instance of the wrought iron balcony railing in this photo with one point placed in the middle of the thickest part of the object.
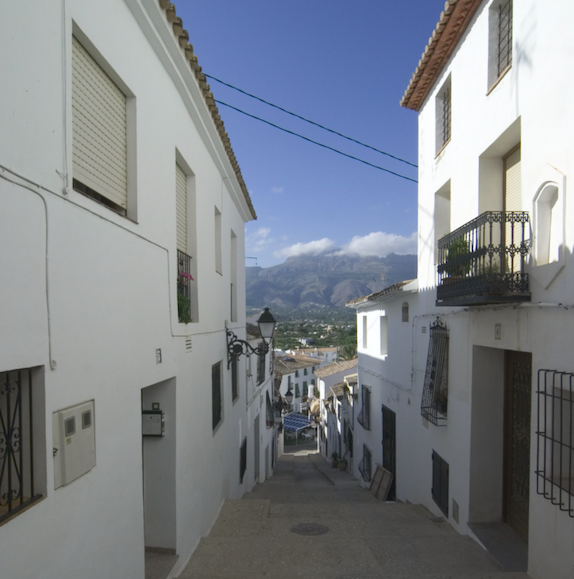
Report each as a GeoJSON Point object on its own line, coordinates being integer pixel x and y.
{"type": "Point", "coordinates": [482, 262]}
{"type": "Point", "coordinates": [184, 279]}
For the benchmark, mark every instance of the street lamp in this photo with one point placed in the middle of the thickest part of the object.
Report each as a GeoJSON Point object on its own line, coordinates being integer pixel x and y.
{"type": "Point", "coordinates": [237, 347]}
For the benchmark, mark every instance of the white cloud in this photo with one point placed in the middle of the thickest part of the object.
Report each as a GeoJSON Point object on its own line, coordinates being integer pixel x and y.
{"type": "Point", "coordinates": [257, 240]}
{"type": "Point", "coordinates": [277, 189]}
{"type": "Point", "coordinates": [381, 244]}
{"type": "Point", "coordinates": [313, 247]}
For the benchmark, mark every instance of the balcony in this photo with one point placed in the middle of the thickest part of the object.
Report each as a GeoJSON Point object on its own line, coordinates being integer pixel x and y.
{"type": "Point", "coordinates": [483, 261]}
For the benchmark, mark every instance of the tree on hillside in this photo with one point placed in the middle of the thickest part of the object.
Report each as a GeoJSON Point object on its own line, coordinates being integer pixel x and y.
{"type": "Point", "coordinates": [346, 352]}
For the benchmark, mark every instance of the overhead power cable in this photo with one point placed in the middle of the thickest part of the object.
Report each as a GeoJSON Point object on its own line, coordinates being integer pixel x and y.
{"type": "Point", "coordinates": [316, 142]}
{"type": "Point", "coordinates": [311, 122]}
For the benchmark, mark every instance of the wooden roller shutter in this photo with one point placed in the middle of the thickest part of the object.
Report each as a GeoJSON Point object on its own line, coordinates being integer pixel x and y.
{"type": "Point", "coordinates": [99, 143]}
{"type": "Point", "coordinates": [181, 208]}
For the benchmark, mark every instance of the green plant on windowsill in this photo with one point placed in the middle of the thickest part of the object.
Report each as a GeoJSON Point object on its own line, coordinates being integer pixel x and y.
{"type": "Point", "coordinates": [457, 249]}
{"type": "Point", "coordinates": [183, 309]}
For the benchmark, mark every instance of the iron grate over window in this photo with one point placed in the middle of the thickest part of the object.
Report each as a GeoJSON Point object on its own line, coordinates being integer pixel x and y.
{"type": "Point", "coordinates": [17, 481]}
{"type": "Point", "coordinates": [365, 464]}
{"type": "Point", "coordinates": [440, 477]}
{"type": "Point", "coordinates": [555, 439]}
{"type": "Point", "coordinates": [434, 403]}
{"type": "Point", "coordinates": [364, 417]}
{"type": "Point", "coordinates": [242, 460]}
{"type": "Point", "coordinates": [261, 365]}
{"type": "Point", "coordinates": [504, 36]}
{"type": "Point", "coordinates": [216, 400]}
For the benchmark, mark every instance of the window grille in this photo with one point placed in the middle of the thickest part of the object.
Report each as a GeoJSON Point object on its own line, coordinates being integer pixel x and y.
{"type": "Point", "coordinates": [18, 487]}
{"type": "Point", "coordinates": [216, 401]}
{"type": "Point", "coordinates": [184, 287]}
{"type": "Point", "coordinates": [555, 439]}
{"type": "Point", "coordinates": [261, 365]}
{"type": "Point", "coordinates": [242, 460]}
{"type": "Point", "coordinates": [434, 401]}
{"type": "Point", "coordinates": [446, 110]}
{"type": "Point", "coordinates": [297, 392]}
{"type": "Point", "coordinates": [365, 464]}
{"type": "Point", "coordinates": [440, 482]}
{"type": "Point", "coordinates": [504, 36]}
{"type": "Point", "coordinates": [364, 417]}
{"type": "Point", "coordinates": [269, 415]}
{"type": "Point", "coordinates": [234, 380]}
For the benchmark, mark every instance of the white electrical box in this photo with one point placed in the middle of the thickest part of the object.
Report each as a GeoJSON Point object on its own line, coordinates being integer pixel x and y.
{"type": "Point", "coordinates": [74, 442]}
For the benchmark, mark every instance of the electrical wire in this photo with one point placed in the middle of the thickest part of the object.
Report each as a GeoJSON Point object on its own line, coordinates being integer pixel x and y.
{"type": "Point", "coordinates": [311, 122]}
{"type": "Point", "coordinates": [316, 142]}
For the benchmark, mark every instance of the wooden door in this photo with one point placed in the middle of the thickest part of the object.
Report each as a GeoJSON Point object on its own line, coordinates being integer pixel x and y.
{"type": "Point", "coordinates": [390, 447]}
{"type": "Point", "coordinates": [517, 433]}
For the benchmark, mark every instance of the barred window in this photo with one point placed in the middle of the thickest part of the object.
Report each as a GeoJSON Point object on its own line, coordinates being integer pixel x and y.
{"type": "Point", "coordinates": [364, 417]}
{"type": "Point", "coordinates": [555, 430]}
{"type": "Point", "coordinates": [500, 40]}
{"type": "Point", "coordinates": [365, 464]}
{"type": "Point", "coordinates": [434, 402]}
{"type": "Point", "coordinates": [22, 442]}
{"type": "Point", "coordinates": [216, 399]}
{"type": "Point", "coordinates": [440, 476]}
{"type": "Point", "coordinates": [443, 115]}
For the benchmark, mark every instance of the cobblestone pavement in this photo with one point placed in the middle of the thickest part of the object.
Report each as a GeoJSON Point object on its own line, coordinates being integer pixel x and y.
{"type": "Point", "coordinates": [312, 521]}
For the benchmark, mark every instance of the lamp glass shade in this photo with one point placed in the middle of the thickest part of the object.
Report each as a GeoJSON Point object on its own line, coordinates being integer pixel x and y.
{"type": "Point", "coordinates": [266, 324]}
{"type": "Point", "coordinates": [289, 396]}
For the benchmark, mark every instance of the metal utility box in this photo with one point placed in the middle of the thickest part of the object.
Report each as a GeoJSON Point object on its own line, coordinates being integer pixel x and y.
{"type": "Point", "coordinates": [74, 442]}
{"type": "Point", "coordinates": [153, 423]}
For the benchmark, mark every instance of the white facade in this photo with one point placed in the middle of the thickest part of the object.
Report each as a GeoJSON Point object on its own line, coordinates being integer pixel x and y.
{"type": "Point", "coordinates": [89, 296]}
{"type": "Point", "coordinates": [465, 170]}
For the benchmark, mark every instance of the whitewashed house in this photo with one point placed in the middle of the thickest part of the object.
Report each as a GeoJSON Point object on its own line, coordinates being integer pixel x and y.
{"type": "Point", "coordinates": [484, 421]}
{"type": "Point", "coordinates": [332, 436]}
{"type": "Point", "coordinates": [122, 212]}
{"type": "Point", "coordinates": [296, 374]}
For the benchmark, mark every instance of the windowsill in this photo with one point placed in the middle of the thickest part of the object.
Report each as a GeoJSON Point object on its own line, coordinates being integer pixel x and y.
{"type": "Point", "coordinates": [440, 151]}
{"type": "Point", "coordinates": [497, 81]}
{"type": "Point", "coordinates": [115, 209]}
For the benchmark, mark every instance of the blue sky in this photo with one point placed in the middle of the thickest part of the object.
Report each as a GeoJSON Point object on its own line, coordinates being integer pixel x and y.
{"type": "Point", "coordinates": [344, 65]}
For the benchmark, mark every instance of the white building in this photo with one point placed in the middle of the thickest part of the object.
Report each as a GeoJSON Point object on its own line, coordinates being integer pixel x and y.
{"type": "Point", "coordinates": [296, 373]}
{"type": "Point", "coordinates": [484, 413]}
{"type": "Point", "coordinates": [117, 186]}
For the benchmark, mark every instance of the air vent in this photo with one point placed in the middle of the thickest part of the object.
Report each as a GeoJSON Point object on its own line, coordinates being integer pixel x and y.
{"type": "Point", "coordinates": [188, 345]}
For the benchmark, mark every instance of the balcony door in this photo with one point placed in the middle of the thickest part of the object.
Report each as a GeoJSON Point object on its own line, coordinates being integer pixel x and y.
{"type": "Point", "coordinates": [513, 202]}
{"type": "Point", "coordinates": [517, 433]}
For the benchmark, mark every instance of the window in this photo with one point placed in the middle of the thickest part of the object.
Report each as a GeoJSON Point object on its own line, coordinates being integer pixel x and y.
{"type": "Point", "coordinates": [365, 342]}
{"type": "Point", "coordinates": [555, 430]}
{"type": "Point", "coordinates": [305, 371]}
{"type": "Point", "coordinates": [260, 366]}
{"type": "Point", "coordinates": [364, 417]}
{"type": "Point", "coordinates": [296, 373]}
{"type": "Point", "coordinates": [242, 460]}
{"type": "Point", "coordinates": [217, 245]}
{"type": "Point", "coordinates": [297, 391]}
{"type": "Point", "coordinates": [234, 380]}
{"type": "Point", "coordinates": [365, 464]}
{"type": "Point", "coordinates": [443, 116]}
{"type": "Point", "coordinates": [305, 389]}
{"type": "Point", "coordinates": [500, 40]}
{"type": "Point", "coordinates": [405, 312]}
{"type": "Point", "coordinates": [22, 446]}
{"type": "Point", "coordinates": [384, 326]}
{"type": "Point", "coordinates": [435, 388]}
{"type": "Point", "coordinates": [99, 131]}
{"type": "Point", "coordinates": [440, 482]}
{"type": "Point", "coordinates": [548, 205]}
{"type": "Point", "coordinates": [288, 382]}
{"type": "Point", "coordinates": [216, 399]}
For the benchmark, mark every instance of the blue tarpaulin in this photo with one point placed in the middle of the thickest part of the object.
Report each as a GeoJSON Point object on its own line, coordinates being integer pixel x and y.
{"type": "Point", "coordinates": [296, 422]}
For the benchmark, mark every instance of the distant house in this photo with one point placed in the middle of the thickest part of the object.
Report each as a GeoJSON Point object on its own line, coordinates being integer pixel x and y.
{"type": "Point", "coordinates": [296, 373]}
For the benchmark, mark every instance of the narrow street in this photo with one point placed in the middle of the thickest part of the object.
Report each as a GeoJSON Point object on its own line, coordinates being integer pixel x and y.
{"type": "Point", "coordinates": [312, 521]}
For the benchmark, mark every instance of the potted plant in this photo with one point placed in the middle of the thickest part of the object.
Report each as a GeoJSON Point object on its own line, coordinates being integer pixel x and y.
{"type": "Point", "coordinates": [343, 464]}
{"type": "Point", "coordinates": [335, 461]}
{"type": "Point", "coordinates": [456, 251]}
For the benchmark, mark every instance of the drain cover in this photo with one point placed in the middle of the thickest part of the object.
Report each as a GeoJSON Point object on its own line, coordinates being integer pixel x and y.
{"type": "Point", "coordinates": [309, 529]}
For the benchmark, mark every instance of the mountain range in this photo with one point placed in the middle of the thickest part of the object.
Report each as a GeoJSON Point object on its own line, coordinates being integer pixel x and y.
{"type": "Point", "coordinates": [325, 280]}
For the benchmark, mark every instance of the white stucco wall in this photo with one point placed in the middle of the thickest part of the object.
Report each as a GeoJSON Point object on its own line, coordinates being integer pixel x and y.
{"type": "Point", "coordinates": [89, 296]}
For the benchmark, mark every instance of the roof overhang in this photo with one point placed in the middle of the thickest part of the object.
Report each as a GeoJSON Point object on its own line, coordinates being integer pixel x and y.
{"type": "Point", "coordinates": [453, 22]}
{"type": "Point", "coordinates": [390, 293]}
